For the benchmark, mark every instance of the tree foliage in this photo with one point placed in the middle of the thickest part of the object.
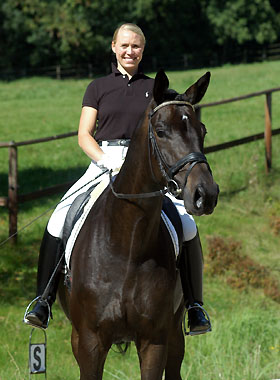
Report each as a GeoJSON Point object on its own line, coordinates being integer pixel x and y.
{"type": "Point", "coordinates": [38, 33]}
{"type": "Point", "coordinates": [242, 20]}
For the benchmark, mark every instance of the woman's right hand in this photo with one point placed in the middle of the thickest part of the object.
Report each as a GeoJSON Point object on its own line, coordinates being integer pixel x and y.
{"type": "Point", "coordinates": [109, 162]}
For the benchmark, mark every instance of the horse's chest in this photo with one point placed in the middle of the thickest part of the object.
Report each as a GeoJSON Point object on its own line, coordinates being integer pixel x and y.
{"type": "Point", "coordinates": [141, 294]}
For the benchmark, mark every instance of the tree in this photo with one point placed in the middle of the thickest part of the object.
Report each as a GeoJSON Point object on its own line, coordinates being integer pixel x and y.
{"type": "Point", "coordinates": [36, 33]}
{"type": "Point", "coordinates": [13, 44]}
{"type": "Point", "coordinates": [242, 21]}
{"type": "Point", "coordinates": [49, 31]}
{"type": "Point", "coordinates": [175, 28]}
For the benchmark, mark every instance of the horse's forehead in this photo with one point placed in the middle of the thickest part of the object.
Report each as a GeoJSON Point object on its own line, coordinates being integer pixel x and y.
{"type": "Point", "coordinates": [178, 113]}
{"type": "Point", "coordinates": [173, 111]}
{"type": "Point", "coordinates": [181, 117]}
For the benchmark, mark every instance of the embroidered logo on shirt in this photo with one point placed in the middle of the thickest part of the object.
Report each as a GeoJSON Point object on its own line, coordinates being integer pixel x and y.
{"type": "Point", "coordinates": [147, 94]}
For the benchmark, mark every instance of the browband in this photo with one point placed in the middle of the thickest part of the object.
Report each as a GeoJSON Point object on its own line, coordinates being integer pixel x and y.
{"type": "Point", "coordinates": [175, 102]}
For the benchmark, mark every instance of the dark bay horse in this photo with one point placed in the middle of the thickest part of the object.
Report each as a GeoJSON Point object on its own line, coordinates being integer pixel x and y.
{"type": "Point", "coordinates": [124, 278]}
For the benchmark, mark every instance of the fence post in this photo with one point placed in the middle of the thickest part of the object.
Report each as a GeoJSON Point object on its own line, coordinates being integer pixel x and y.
{"type": "Point", "coordinates": [58, 72]}
{"type": "Point", "coordinates": [267, 132]}
{"type": "Point", "coordinates": [12, 190]}
{"type": "Point", "coordinates": [154, 63]}
{"type": "Point", "coordinates": [185, 60]}
{"type": "Point", "coordinates": [90, 75]}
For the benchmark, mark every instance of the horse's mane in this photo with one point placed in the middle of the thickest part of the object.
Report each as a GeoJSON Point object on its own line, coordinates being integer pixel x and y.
{"type": "Point", "coordinates": [172, 95]}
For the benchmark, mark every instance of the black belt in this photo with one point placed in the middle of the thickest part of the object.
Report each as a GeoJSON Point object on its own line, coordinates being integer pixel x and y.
{"type": "Point", "coordinates": [121, 142]}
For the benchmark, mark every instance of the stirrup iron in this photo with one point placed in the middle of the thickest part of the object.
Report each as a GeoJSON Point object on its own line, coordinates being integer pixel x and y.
{"type": "Point", "coordinates": [192, 333]}
{"type": "Point", "coordinates": [27, 322]}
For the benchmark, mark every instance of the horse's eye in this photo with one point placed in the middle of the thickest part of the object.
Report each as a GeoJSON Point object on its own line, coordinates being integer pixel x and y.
{"type": "Point", "coordinates": [160, 133]}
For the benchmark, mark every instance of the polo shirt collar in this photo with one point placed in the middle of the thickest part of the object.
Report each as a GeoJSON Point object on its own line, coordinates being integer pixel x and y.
{"type": "Point", "coordinates": [117, 72]}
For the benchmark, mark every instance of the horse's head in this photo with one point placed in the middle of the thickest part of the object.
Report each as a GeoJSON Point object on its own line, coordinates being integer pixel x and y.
{"type": "Point", "coordinates": [177, 137]}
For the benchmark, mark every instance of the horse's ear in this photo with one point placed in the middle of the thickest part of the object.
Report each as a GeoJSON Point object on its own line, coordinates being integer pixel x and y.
{"type": "Point", "coordinates": [160, 86]}
{"type": "Point", "coordinates": [195, 93]}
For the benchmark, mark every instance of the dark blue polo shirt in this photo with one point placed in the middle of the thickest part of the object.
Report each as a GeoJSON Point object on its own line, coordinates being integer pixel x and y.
{"type": "Point", "coordinates": [120, 102]}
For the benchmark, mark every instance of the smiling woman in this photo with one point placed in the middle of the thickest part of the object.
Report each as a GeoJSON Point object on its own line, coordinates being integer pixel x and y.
{"type": "Point", "coordinates": [128, 45]}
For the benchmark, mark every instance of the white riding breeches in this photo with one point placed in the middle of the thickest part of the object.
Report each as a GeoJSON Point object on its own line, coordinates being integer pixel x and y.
{"type": "Point", "coordinates": [188, 223]}
{"type": "Point", "coordinates": [57, 219]}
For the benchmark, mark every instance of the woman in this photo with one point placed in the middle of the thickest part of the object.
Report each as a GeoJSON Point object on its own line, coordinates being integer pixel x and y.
{"type": "Point", "coordinates": [117, 102]}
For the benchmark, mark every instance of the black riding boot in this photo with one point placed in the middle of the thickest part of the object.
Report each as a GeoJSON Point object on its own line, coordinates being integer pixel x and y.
{"type": "Point", "coordinates": [50, 254]}
{"type": "Point", "coordinates": [191, 271]}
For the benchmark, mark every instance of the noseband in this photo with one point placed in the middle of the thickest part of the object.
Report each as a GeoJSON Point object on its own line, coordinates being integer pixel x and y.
{"type": "Point", "coordinates": [170, 171]}
{"type": "Point", "coordinates": [167, 171]}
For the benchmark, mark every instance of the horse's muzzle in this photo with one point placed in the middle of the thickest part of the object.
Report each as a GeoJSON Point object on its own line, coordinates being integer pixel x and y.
{"type": "Point", "coordinates": [203, 199]}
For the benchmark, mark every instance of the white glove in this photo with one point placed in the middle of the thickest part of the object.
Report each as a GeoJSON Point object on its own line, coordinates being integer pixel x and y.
{"type": "Point", "coordinates": [109, 162]}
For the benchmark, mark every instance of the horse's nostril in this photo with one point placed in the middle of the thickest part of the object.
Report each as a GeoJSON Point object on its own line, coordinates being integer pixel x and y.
{"type": "Point", "coordinates": [199, 197]}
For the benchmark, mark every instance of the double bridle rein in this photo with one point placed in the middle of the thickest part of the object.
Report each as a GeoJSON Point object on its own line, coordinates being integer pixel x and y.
{"type": "Point", "coordinates": [167, 171]}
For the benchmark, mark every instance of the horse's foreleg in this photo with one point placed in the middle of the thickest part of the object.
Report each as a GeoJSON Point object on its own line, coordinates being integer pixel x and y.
{"type": "Point", "coordinates": [152, 360]}
{"type": "Point", "coordinates": [75, 342]}
{"type": "Point", "coordinates": [176, 349]}
{"type": "Point", "coordinates": [91, 356]}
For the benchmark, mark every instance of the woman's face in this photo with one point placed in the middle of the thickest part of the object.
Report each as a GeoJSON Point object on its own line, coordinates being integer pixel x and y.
{"type": "Point", "coordinates": [128, 48]}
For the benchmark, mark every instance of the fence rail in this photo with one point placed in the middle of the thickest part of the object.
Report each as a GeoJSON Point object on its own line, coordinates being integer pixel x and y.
{"type": "Point", "coordinates": [13, 198]}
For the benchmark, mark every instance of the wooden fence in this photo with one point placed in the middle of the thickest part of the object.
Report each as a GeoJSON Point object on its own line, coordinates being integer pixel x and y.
{"type": "Point", "coordinates": [241, 54]}
{"type": "Point", "coordinates": [13, 198]}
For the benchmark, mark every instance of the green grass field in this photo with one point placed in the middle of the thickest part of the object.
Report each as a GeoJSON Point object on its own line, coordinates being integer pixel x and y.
{"type": "Point", "coordinates": [241, 287]}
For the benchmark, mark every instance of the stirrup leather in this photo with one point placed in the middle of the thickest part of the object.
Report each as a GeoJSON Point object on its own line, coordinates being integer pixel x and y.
{"type": "Point", "coordinates": [26, 321]}
{"type": "Point", "coordinates": [192, 333]}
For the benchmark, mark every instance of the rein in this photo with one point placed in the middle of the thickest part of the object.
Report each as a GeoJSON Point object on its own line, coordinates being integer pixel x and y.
{"type": "Point", "coordinates": [51, 208]}
{"type": "Point", "coordinates": [170, 171]}
{"type": "Point", "coordinates": [135, 196]}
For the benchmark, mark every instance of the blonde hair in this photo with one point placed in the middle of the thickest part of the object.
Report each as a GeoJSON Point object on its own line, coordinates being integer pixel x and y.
{"type": "Point", "coordinates": [132, 28]}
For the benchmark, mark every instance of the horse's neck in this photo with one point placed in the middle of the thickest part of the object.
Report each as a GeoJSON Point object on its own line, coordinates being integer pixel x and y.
{"type": "Point", "coordinates": [136, 177]}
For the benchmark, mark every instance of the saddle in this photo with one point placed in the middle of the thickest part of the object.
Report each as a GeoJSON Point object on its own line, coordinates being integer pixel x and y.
{"type": "Point", "coordinates": [75, 212]}
{"type": "Point", "coordinates": [83, 203]}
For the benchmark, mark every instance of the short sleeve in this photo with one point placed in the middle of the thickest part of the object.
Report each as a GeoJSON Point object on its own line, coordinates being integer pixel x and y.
{"type": "Point", "coordinates": [91, 98]}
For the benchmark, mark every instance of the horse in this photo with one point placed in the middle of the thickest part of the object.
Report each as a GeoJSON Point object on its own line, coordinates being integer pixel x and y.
{"type": "Point", "coordinates": [124, 284]}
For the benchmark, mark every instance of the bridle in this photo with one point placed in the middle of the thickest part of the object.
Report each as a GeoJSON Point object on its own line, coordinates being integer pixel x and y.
{"type": "Point", "coordinates": [170, 171]}
{"type": "Point", "coordinates": [167, 171]}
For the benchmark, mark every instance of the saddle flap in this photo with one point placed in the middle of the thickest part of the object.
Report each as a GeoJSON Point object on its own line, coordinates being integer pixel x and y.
{"type": "Point", "coordinates": [74, 213]}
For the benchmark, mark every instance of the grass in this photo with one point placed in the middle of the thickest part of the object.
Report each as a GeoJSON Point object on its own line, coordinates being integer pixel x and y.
{"type": "Point", "coordinates": [245, 343]}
